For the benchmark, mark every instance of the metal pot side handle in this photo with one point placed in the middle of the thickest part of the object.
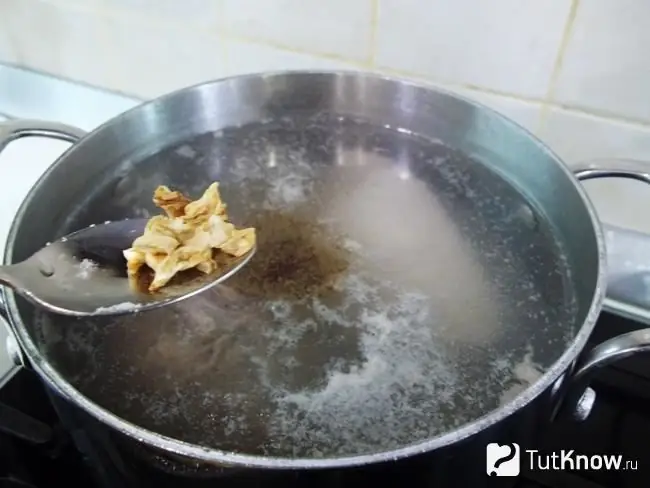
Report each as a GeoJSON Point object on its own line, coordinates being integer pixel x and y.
{"type": "Point", "coordinates": [10, 131]}
{"type": "Point", "coordinates": [16, 129]}
{"type": "Point", "coordinates": [13, 351]}
{"type": "Point", "coordinates": [631, 169]}
{"type": "Point", "coordinates": [577, 398]}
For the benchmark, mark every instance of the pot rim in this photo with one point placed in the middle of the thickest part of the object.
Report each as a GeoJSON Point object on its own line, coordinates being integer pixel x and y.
{"type": "Point", "coordinates": [213, 455]}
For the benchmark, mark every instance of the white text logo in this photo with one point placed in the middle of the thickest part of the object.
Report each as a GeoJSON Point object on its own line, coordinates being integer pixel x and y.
{"type": "Point", "coordinates": [568, 460]}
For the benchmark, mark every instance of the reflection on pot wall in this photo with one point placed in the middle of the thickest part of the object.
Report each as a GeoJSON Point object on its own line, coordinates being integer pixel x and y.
{"type": "Point", "coordinates": [571, 71]}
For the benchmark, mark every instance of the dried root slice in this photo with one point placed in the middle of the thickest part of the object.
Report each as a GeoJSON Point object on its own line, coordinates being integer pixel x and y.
{"type": "Point", "coordinates": [186, 237]}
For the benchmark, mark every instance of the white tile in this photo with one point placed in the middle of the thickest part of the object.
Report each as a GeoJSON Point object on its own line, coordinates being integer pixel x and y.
{"type": "Point", "coordinates": [246, 57]}
{"type": "Point", "coordinates": [59, 36]}
{"type": "Point", "coordinates": [204, 13]}
{"type": "Point", "coordinates": [577, 138]}
{"type": "Point", "coordinates": [606, 65]}
{"type": "Point", "coordinates": [8, 48]}
{"type": "Point", "coordinates": [339, 27]}
{"type": "Point", "coordinates": [124, 54]}
{"type": "Point", "coordinates": [504, 45]}
{"type": "Point", "coordinates": [7, 52]}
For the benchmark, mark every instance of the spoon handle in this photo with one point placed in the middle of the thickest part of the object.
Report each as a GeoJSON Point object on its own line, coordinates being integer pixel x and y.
{"type": "Point", "coordinates": [7, 278]}
{"type": "Point", "coordinates": [23, 279]}
{"type": "Point", "coordinates": [18, 277]}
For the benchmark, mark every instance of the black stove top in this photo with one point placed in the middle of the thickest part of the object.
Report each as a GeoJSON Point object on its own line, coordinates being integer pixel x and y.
{"type": "Point", "coordinates": [58, 450]}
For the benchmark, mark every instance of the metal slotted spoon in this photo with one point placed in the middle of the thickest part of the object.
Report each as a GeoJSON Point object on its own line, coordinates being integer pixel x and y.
{"type": "Point", "coordinates": [84, 274]}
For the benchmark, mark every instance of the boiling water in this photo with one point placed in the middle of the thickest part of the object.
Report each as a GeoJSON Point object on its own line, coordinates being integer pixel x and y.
{"type": "Point", "coordinates": [400, 290]}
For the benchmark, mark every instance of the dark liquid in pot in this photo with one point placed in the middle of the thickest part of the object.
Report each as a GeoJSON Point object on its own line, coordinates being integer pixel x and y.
{"type": "Point", "coordinates": [400, 290]}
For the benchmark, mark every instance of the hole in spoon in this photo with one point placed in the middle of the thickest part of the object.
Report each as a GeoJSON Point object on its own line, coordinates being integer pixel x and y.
{"type": "Point", "coordinates": [46, 272]}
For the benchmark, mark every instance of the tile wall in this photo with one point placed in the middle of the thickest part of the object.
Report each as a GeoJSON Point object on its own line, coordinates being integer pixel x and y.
{"type": "Point", "coordinates": [575, 72]}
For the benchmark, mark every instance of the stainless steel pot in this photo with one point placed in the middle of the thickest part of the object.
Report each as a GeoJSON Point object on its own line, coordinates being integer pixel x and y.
{"type": "Point", "coordinates": [446, 259]}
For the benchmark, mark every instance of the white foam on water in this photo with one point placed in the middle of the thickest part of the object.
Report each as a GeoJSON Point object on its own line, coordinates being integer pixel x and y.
{"type": "Point", "coordinates": [390, 396]}
{"type": "Point", "coordinates": [289, 189]}
{"type": "Point", "coordinates": [523, 374]}
{"type": "Point", "coordinates": [526, 370]}
{"type": "Point", "coordinates": [290, 175]}
{"type": "Point", "coordinates": [86, 267]}
{"type": "Point", "coordinates": [352, 245]}
{"type": "Point", "coordinates": [186, 151]}
{"type": "Point", "coordinates": [119, 307]}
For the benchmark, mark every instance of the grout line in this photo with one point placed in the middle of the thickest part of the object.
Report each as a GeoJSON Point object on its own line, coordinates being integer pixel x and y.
{"type": "Point", "coordinates": [499, 93]}
{"type": "Point", "coordinates": [126, 14]}
{"type": "Point", "coordinates": [73, 81]}
{"type": "Point", "coordinates": [223, 43]}
{"type": "Point", "coordinates": [557, 66]}
{"type": "Point", "coordinates": [601, 114]}
{"type": "Point", "coordinates": [291, 49]}
{"type": "Point", "coordinates": [225, 52]}
{"type": "Point", "coordinates": [462, 86]}
{"type": "Point", "coordinates": [374, 21]}
{"type": "Point", "coordinates": [215, 30]}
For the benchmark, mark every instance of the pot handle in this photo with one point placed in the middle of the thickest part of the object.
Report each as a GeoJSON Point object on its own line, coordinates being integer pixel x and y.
{"type": "Point", "coordinates": [573, 394]}
{"type": "Point", "coordinates": [14, 353]}
{"type": "Point", "coordinates": [12, 130]}
{"type": "Point", "coordinates": [16, 129]}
